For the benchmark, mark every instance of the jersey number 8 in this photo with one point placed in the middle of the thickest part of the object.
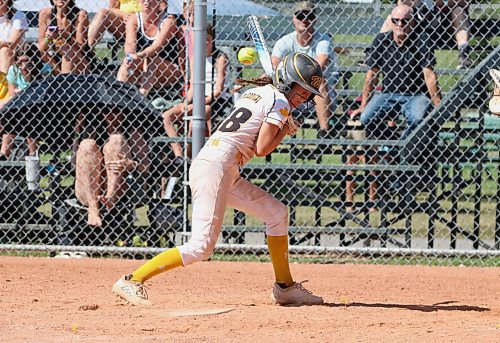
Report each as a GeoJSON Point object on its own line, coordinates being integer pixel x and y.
{"type": "Point", "coordinates": [235, 119]}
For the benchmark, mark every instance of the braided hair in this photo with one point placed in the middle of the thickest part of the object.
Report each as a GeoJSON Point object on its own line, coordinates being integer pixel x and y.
{"type": "Point", "coordinates": [257, 81]}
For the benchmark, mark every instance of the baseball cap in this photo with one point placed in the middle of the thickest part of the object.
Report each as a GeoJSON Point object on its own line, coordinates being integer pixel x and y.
{"type": "Point", "coordinates": [307, 6]}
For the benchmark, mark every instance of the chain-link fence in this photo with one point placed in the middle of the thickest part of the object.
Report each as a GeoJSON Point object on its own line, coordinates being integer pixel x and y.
{"type": "Point", "coordinates": [399, 159]}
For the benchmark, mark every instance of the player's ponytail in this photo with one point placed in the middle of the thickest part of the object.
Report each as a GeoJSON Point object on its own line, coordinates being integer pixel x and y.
{"type": "Point", "coordinates": [258, 81]}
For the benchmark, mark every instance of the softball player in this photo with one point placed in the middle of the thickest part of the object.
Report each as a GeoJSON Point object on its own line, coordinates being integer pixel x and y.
{"type": "Point", "coordinates": [260, 120]}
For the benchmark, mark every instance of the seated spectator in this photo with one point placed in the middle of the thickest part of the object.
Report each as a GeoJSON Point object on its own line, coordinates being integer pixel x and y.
{"type": "Point", "coordinates": [318, 45]}
{"type": "Point", "coordinates": [13, 25]}
{"type": "Point", "coordinates": [152, 48]}
{"type": "Point", "coordinates": [214, 98]}
{"type": "Point", "coordinates": [101, 174]}
{"type": "Point", "coordinates": [407, 61]}
{"type": "Point", "coordinates": [423, 10]}
{"type": "Point", "coordinates": [28, 68]}
{"type": "Point", "coordinates": [112, 19]}
{"type": "Point", "coordinates": [62, 37]}
{"type": "Point", "coordinates": [453, 19]}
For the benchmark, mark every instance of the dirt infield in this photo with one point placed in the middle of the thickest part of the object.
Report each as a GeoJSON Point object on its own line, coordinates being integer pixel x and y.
{"type": "Point", "coordinates": [55, 300]}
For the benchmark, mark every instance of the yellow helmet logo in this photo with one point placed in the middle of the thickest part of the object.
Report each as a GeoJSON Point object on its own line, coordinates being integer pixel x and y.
{"type": "Point", "coordinates": [316, 81]}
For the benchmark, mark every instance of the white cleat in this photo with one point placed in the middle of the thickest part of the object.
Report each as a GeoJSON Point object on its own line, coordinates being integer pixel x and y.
{"type": "Point", "coordinates": [296, 294]}
{"type": "Point", "coordinates": [132, 291]}
{"type": "Point", "coordinates": [495, 75]}
{"type": "Point", "coordinates": [494, 103]}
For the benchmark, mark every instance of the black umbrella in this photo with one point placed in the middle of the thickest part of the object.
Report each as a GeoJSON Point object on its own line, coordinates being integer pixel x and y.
{"type": "Point", "coordinates": [50, 109]}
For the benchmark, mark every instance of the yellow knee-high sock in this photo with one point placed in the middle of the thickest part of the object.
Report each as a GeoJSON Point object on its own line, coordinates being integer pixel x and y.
{"type": "Point", "coordinates": [162, 262]}
{"type": "Point", "coordinates": [278, 249]}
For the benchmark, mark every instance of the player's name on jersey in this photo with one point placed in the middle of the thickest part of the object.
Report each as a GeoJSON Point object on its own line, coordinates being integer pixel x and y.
{"type": "Point", "coordinates": [252, 96]}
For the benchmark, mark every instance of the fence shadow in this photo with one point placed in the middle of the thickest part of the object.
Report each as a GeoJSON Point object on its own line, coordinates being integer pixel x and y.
{"type": "Point", "coordinates": [443, 306]}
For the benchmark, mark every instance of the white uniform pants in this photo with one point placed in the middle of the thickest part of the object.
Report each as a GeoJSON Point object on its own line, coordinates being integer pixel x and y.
{"type": "Point", "coordinates": [216, 183]}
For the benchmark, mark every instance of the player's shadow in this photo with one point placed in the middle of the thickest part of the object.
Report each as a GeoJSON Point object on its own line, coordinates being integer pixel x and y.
{"type": "Point", "coordinates": [443, 306]}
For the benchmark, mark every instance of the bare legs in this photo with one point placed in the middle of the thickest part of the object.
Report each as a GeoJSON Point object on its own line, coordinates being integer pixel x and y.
{"type": "Point", "coordinates": [6, 59]}
{"type": "Point", "coordinates": [160, 72]}
{"type": "Point", "coordinates": [89, 179]}
{"type": "Point", "coordinates": [90, 176]}
{"type": "Point", "coordinates": [112, 20]}
{"type": "Point", "coordinates": [351, 183]}
{"type": "Point", "coordinates": [174, 114]}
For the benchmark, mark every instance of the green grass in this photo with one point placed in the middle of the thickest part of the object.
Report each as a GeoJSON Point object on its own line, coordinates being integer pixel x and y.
{"type": "Point", "coordinates": [25, 253]}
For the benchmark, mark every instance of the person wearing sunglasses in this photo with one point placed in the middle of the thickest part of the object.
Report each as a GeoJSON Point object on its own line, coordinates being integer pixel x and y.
{"type": "Point", "coordinates": [407, 60]}
{"type": "Point", "coordinates": [318, 45]}
{"type": "Point", "coordinates": [443, 20]}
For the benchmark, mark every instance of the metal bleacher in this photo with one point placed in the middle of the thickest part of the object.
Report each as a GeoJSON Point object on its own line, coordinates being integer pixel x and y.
{"type": "Point", "coordinates": [305, 166]}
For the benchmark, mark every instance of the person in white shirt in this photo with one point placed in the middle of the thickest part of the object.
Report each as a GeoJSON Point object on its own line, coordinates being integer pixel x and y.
{"type": "Point", "coordinates": [13, 25]}
{"type": "Point", "coordinates": [318, 45]}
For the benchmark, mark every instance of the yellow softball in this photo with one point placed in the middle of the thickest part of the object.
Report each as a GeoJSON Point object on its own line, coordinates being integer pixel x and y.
{"type": "Point", "coordinates": [247, 55]}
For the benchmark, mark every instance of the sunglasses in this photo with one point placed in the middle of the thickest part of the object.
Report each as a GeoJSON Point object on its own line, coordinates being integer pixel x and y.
{"type": "Point", "coordinates": [403, 21]}
{"type": "Point", "coordinates": [305, 15]}
{"type": "Point", "coordinates": [27, 65]}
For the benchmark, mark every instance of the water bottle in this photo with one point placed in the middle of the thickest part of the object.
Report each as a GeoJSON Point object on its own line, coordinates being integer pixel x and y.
{"type": "Point", "coordinates": [32, 171]}
{"type": "Point", "coordinates": [129, 59]}
{"type": "Point", "coordinates": [50, 42]}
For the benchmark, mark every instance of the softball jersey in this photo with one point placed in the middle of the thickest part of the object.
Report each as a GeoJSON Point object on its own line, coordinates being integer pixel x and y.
{"type": "Point", "coordinates": [241, 128]}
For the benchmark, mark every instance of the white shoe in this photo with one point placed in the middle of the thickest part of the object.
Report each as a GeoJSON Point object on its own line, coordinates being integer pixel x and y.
{"type": "Point", "coordinates": [296, 294]}
{"type": "Point", "coordinates": [132, 291]}
{"type": "Point", "coordinates": [495, 75]}
{"type": "Point", "coordinates": [494, 103]}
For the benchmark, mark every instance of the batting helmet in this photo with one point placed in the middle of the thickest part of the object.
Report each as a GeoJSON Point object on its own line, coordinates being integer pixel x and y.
{"type": "Point", "coordinates": [299, 68]}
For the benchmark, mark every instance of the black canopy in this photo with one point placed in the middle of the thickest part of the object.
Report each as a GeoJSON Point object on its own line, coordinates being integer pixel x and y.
{"type": "Point", "coordinates": [48, 109]}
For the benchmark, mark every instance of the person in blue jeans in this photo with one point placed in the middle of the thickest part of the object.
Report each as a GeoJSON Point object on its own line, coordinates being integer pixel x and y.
{"type": "Point", "coordinates": [406, 59]}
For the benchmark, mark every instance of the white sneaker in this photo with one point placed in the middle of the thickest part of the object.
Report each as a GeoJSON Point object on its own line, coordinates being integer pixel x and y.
{"type": "Point", "coordinates": [132, 291]}
{"type": "Point", "coordinates": [494, 103]}
{"type": "Point", "coordinates": [495, 75]}
{"type": "Point", "coordinates": [296, 294]}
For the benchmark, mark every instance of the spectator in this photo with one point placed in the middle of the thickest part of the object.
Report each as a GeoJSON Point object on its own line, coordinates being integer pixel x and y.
{"type": "Point", "coordinates": [423, 11]}
{"type": "Point", "coordinates": [62, 37]}
{"type": "Point", "coordinates": [112, 19]}
{"type": "Point", "coordinates": [28, 68]}
{"type": "Point", "coordinates": [317, 45]}
{"type": "Point", "coordinates": [407, 62]}
{"type": "Point", "coordinates": [214, 98]}
{"type": "Point", "coordinates": [13, 25]}
{"type": "Point", "coordinates": [453, 19]}
{"type": "Point", "coordinates": [152, 47]}
{"type": "Point", "coordinates": [100, 175]}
